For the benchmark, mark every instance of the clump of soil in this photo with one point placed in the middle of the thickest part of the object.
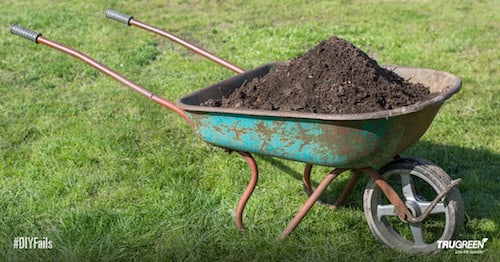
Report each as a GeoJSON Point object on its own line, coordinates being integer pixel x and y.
{"type": "Point", "coordinates": [333, 77]}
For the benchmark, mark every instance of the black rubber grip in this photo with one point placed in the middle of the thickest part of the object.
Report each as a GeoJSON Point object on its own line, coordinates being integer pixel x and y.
{"type": "Point", "coordinates": [25, 32]}
{"type": "Point", "coordinates": [115, 15]}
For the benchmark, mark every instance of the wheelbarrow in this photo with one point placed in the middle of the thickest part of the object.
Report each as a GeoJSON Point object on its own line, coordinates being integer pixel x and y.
{"type": "Point", "coordinates": [410, 204]}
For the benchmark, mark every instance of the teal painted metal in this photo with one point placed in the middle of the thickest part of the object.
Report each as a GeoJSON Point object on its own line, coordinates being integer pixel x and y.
{"type": "Point", "coordinates": [339, 140]}
{"type": "Point", "coordinates": [343, 144]}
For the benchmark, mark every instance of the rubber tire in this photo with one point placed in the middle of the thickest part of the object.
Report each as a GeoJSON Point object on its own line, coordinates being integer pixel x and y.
{"type": "Point", "coordinates": [433, 176]}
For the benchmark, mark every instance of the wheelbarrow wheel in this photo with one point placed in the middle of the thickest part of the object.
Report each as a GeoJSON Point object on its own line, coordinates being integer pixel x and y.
{"type": "Point", "coordinates": [417, 182]}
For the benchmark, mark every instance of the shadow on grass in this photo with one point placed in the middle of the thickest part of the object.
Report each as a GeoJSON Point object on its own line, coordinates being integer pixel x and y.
{"type": "Point", "coordinates": [479, 189]}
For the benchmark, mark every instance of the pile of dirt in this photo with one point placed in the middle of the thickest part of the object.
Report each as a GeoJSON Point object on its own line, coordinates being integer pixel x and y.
{"type": "Point", "coordinates": [333, 77]}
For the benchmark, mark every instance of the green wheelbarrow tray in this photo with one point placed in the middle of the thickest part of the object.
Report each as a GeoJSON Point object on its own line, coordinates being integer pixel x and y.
{"type": "Point", "coordinates": [336, 140]}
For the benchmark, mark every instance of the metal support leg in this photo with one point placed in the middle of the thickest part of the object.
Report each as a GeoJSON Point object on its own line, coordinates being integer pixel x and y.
{"type": "Point", "coordinates": [347, 189]}
{"type": "Point", "coordinates": [343, 197]}
{"type": "Point", "coordinates": [310, 201]}
{"type": "Point", "coordinates": [307, 179]}
{"type": "Point", "coordinates": [248, 191]}
{"type": "Point", "coordinates": [400, 208]}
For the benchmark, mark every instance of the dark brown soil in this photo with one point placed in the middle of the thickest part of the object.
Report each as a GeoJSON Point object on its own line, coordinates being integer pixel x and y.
{"type": "Point", "coordinates": [333, 77]}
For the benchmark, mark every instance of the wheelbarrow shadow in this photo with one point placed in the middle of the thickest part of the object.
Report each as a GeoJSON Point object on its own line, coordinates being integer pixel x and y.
{"type": "Point", "coordinates": [479, 189]}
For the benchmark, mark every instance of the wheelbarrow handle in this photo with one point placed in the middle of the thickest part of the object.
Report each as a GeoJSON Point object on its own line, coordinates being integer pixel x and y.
{"type": "Point", "coordinates": [38, 38]}
{"type": "Point", "coordinates": [25, 33]}
{"type": "Point", "coordinates": [131, 21]}
{"type": "Point", "coordinates": [117, 16]}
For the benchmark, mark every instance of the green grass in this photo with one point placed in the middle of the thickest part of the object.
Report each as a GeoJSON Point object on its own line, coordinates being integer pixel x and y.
{"type": "Point", "coordinates": [108, 175]}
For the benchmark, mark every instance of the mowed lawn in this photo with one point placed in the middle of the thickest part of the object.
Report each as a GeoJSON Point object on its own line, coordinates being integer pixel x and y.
{"type": "Point", "coordinates": [105, 174]}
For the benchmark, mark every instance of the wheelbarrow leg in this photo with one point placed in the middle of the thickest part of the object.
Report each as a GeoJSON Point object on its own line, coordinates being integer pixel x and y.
{"type": "Point", "coordinates": [310, 201]}
{"type": "Point", "coordinates": [347, 189]}
{"type": "Point", "coordinates": [248, 191]}
{"type": "Point", "coordinates": [343, 197]}
{"type": "Point", "coordinates": [307, 179]}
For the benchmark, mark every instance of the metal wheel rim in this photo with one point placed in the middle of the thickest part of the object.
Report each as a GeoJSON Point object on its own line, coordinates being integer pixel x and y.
{"type": "Point", "coordinates": [386, 231]}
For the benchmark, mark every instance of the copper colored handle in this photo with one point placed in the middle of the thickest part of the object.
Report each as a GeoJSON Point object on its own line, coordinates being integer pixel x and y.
{"type": "Point", "coordinates": [38, 38]}
{"type": "Point", "coordinates": [131, 21]}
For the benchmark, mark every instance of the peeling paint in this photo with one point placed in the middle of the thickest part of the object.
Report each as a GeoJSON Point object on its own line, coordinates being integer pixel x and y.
{"type": "Point", "coordinates": [342, 143]}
